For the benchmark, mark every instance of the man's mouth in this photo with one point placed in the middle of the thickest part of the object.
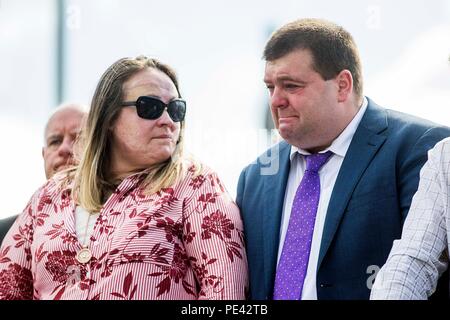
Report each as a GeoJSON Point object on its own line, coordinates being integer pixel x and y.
{"type": "Point", "coordinates": [69, 163]}
{"type": "Point", "coordinates": [286, 118]}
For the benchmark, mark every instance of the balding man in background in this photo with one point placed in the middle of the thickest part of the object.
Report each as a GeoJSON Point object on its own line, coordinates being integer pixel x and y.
{"type": "Point", "coordinates": [60, 134]}
{"type": "Point", "coordinates": [61, 131]}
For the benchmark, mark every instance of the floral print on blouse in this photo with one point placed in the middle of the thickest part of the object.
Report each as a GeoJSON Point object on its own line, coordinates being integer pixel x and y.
{"type": "Point", "coordinates": [184, 242]}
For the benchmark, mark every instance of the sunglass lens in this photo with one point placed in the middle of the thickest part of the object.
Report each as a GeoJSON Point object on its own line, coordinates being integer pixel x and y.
{"type": "Point", "coordinates": [177, 110]}
{"type": "Point", "coordinates": [149, 108]}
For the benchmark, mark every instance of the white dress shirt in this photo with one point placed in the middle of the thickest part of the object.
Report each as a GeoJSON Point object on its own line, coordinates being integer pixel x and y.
{"type": "Point", "coordinates": [419, 258]}
{"type": "Point", "coordinates": [328, 174]}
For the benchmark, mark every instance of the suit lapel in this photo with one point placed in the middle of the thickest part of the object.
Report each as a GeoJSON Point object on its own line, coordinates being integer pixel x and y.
{"type": "Point", "coordinates": [367, 140]}
{"type": "Point", "coordinates": [274, 189]}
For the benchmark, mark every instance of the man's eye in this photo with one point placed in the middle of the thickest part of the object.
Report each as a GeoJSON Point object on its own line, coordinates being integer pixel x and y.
{"type": "Point", "coordinates": [291, 86]}
{"type": "Point", "coordinates": [54, 142]}
{"type": "Point", "coordinates": [270, 88]}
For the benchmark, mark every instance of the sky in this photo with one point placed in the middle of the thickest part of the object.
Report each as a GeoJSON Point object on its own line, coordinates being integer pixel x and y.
{"type": "Point", "coordinates": [216, 48]}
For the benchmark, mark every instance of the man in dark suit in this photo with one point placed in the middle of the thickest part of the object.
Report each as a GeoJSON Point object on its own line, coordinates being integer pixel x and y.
{"type": "Point", "coordinates": [321, 217]}
{"type": "Point", "coordinates": [60, 133]}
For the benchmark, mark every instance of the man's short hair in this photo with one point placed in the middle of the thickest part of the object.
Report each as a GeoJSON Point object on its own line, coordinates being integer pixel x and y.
{"type": "Point", "coordinates": [331, 46]}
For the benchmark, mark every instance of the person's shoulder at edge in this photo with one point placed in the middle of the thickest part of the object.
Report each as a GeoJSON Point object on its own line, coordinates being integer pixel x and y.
{"type": "Point", "coordinates": [441, 154]}
{"type": "Point", "coordinates": [443, 146]}
{"type": "Point", "coordinates": [198, 178]}
{"type": "Point", "coordinates": [48, 190]}
{"type": "Point", "coordinates": [193, 168]}
{"type": "Point", "coordinates": [408, 120]}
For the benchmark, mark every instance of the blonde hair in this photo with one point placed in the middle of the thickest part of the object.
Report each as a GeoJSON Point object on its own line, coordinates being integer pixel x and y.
{"type": "Point", "coordinates": [91, 179]}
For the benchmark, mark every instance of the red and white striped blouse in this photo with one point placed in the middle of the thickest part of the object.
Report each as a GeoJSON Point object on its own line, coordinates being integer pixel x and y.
{"type": "Point", "coordinates": [184, 242]}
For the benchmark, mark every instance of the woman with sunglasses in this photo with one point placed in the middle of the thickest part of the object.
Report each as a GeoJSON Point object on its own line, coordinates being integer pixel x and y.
{"type": "Point", "coordinates": [136, 219]}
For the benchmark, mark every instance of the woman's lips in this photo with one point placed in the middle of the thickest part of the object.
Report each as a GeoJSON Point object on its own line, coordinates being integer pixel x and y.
{"type": "Point", "coordinates": [164, 138]}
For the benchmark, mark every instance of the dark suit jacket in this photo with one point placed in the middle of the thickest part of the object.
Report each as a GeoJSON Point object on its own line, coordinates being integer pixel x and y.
{"type": "Point", "coordinates": [5, 225]}
{"type": "Point", "coordinates": [369, 202]}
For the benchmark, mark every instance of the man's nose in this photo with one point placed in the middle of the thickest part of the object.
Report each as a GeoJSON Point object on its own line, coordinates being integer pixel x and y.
{"type": "Point", "coordinates": [278, 98]}
{"type": "Point", "coordinates": [66, 147]}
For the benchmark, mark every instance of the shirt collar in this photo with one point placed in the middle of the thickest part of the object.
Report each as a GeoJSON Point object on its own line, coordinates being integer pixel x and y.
{"type": "Point", "coordinates": [341, 144]}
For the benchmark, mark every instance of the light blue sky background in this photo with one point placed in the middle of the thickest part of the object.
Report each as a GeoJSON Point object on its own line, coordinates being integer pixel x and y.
{"type": "Point", "coordinates": [216, 48]}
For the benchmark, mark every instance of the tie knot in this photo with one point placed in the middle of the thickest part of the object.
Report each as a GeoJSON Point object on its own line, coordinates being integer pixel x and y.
{"type": "Point", "coordinates": [315, 161]}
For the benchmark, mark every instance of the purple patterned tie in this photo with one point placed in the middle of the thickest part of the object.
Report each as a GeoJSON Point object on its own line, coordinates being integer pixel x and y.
{"type": "Point", "coordinates": [293, 264]}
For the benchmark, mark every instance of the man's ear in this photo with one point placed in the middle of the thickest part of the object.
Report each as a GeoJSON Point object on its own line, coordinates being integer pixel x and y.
{"type": "Point", "coordinates": [43, 148]}
{"type": "Point", "coordinates": [345, 85]}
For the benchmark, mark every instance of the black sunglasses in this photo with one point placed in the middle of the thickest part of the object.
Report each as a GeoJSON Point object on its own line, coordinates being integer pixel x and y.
{"type": "Point", "coordinates": [152, 108]}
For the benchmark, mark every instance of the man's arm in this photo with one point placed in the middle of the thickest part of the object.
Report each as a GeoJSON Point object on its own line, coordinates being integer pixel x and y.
{"type": "Point", "coordinates": [416, 260]}
{"type": "Point", "coordinates": [408, 176]}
